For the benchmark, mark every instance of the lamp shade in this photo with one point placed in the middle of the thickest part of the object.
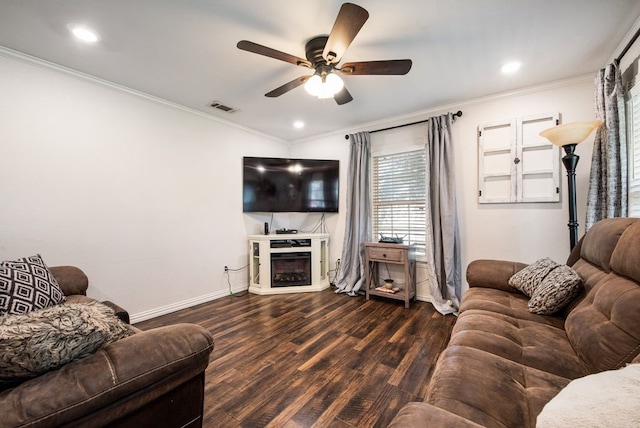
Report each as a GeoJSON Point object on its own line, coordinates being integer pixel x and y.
{"type": "Point", "coordinates": [570, 133]}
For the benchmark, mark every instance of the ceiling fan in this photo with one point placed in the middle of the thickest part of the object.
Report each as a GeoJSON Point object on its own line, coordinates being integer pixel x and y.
{"type": "Point", "coordinates": [323, 55]}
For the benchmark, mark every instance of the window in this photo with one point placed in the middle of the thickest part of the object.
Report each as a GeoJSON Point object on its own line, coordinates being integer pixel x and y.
{"type": "Point", "coordinates": [399, 196]}
{"type": "Point", "coordinates": [633, 127]}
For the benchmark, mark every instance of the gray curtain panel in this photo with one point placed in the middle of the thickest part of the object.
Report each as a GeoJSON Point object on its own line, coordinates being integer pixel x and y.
{"type": "Point", "coordinates": [351, 276]}
{"type": "Point", "coordinates": [442, 232]}
{"type": "Point", "coordinates": [608, 180]}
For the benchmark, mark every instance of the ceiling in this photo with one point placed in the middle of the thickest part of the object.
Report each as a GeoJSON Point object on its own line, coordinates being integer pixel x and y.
{"type": "Point", "coordinates": [185, 51]}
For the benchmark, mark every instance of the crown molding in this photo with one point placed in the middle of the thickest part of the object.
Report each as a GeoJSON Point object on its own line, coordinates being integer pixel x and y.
{"type": "Point", "coordinates": [460, 105]}
{"type": "Point", "coordinates": [29, 59]}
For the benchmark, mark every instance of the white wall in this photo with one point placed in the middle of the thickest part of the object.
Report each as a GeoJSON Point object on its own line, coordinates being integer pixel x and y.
{"type": "Point", "coordinates": [145, 197]}
{"type": "Point", "coordinates": [520, 232]}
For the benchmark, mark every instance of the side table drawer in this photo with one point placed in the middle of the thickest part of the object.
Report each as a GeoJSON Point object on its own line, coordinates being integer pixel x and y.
{"type": "Point", "coordinates": [387, 254]}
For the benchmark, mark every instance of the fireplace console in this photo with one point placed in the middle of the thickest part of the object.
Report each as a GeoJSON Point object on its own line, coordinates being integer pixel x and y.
{"type": "Point", "coordinates": [288, 263]}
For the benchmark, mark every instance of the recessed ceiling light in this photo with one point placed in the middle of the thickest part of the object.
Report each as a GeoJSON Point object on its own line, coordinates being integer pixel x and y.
{"type": "Point", "coordinates": [298, 124]}
{"type": "Point", "coordinates": [83, 33]}
{"type": "Point", "coordinates": [511, 67]}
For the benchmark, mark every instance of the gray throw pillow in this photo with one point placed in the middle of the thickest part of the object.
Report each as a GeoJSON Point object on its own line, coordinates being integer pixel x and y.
{"type": "Point", "coordinates": [46, 339]}
{"type": "Point", "coordinates": [529, 279]}
{"type": "Point", "coordinates": [558, 288]}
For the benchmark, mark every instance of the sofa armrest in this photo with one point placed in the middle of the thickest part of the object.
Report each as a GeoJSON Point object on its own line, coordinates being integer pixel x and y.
{"type": "Point", "coordinates": [493, 274]}
{"type": "Point", "coordinates": [425, 415]}
{"type": "Point", "coordinates": [120, 312]}
{"type": "Point", "coordinates": [71, 279]}
{"type": "Point", "coordinates": [154, 362]}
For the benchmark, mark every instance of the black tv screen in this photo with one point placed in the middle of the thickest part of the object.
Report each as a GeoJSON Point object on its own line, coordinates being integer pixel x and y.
{"type": "Point", "coordinates": [290, 185]}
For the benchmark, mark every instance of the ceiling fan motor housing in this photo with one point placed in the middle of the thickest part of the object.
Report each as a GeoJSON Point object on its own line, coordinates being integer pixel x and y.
{"type": "Point", "coordinates": [313, 50]}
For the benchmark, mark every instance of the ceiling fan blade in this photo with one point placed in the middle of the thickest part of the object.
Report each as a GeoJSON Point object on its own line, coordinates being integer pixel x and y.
{"type": "Point", "coordinates": [248, 46]}
{"type": "Point", "coordinates": [390, 67]}
{"type": "Point", "coordinates": [350, 20]}
{"type": "Point", "coordinates": [287, 87]}
{"type": "Point", "coordinates": [343, 96]}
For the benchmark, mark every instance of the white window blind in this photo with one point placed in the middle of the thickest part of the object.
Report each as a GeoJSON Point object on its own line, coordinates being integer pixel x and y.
{"type": "Point", "coordinates": [399, 196]}
{"type": "Point", "coordinates": [633, 108]}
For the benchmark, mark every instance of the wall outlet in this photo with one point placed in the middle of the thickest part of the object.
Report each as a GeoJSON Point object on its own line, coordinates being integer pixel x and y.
{"type": "Point", "coordinates": [226, 268]}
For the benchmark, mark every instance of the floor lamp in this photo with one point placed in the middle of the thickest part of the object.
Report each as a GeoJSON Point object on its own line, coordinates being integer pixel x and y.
{"type": "Point", "coordinates": [568, 136]}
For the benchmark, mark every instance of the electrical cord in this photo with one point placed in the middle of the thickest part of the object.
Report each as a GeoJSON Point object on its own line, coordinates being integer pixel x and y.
{"type": "Point", "coordinates": [336, 270]}
{"type": "Point", "coordinates": [319, 226]}
{"type": "Point", "coordinates": [226, 272]}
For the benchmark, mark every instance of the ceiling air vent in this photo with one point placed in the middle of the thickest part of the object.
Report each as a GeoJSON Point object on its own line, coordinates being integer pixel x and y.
{"type": "Point", "coordinates": [218, 105]}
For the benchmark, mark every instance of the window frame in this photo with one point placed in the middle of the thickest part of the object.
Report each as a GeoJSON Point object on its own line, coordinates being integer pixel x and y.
{"type": "Point", "coordinates": [411, 204]}
{"type": "Point", "coordinates": [632, 96]}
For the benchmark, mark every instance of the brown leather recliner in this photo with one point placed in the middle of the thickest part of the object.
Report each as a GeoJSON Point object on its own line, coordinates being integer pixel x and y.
{"type": "Point", "coordinates": [504, 363]}
{"type": "Point", "coordinates": [152, 378]}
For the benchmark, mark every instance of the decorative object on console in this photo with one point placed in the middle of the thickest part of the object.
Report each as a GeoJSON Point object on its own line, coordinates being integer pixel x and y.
{"type": "Point", "coordinates": [391, 239]}
{"type": "Point", "coordinates": [27, 284]}
{"type": "Point", "coordinates": [285, 231]}
{"type": "Point", "coordinates": [568, 136]}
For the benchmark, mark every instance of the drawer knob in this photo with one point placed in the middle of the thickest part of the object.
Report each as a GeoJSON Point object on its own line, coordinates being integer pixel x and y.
{"type": "Point", "coordinates": [384, 255]}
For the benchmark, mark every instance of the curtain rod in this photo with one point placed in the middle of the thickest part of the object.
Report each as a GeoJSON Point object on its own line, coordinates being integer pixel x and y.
{"type": "Point", "coordinates": [626, 48]}
{"type": "Point", "coordinates": [456, 114]}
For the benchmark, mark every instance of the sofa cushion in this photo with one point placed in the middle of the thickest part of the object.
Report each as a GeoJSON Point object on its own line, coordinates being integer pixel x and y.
{"type": "Point", "coordinates": [490, 390]}
{"type": "Point", "coordinates": [27, 284]}
{"type": "Point", "coordinates": [604, 324]}
{"type": "Point", "coordinates": [599, 243]}
{"type": "Point", "coordinates": [557, 289]}
{"type": "Point", "coordinates": [607, 399]}
{"type": "Point", "coordinates": [604, 328]}
{"type": "Point", "coordinates": [626, 256]}
{"type": "Point", "coordinates": [538, 342]}
{"type": "Point", "coordinates": [529, 279]}
{"type": "Point", "coordinates": [46, 339]}
{"type": "Point", "coordinates": [513, 305]}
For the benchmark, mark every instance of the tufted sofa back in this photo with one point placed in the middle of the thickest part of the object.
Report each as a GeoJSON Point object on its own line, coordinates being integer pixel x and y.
{"type": "Point", "coordinates": [603, 323]}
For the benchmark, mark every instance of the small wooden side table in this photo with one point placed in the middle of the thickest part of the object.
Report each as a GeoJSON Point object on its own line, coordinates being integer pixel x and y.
{"type": "Point", "coordinates": [398, 254]}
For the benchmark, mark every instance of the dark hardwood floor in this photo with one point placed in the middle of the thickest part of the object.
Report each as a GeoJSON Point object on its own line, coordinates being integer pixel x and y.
{"type": "Point", "coordinates": [314, 359]}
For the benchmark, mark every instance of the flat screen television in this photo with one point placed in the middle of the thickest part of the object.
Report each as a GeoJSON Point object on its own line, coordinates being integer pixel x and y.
{"type": "Point", "coordinates": [290, 185]}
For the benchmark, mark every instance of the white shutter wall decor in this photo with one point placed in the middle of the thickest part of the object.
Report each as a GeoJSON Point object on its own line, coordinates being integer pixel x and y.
{"type": "Point", "coordinates": [516, 164]}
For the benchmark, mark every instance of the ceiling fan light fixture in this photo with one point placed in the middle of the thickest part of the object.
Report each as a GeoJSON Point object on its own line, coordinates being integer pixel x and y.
{"type": "Point", "coordinates": [324, 87]}
{"type": "Point", "coordinates": [313, 86]}
{"type": "Point", "coordinates": [333, 84]}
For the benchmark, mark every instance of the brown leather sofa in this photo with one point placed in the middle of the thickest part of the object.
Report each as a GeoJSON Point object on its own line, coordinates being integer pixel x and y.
{"type": "Point", "coordinates": [152, 378]}
{"type": "Point", "coordinates": [503, 363]}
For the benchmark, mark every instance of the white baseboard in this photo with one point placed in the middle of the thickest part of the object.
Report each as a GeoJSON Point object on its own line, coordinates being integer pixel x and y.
{"type": "Point", "coordinates": [163, 310]}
